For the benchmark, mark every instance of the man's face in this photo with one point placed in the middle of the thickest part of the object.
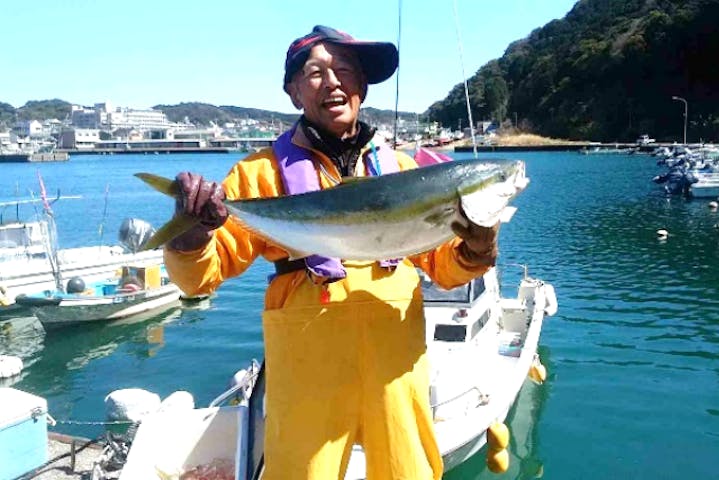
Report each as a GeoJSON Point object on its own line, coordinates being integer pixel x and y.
{"type": "Point", "coordinates": [330, 88]}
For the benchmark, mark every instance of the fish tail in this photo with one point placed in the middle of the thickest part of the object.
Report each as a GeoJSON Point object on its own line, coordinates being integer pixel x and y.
{"type": "Point", "coordinates": [177, 225]}
{"type": "Point", "coordinates": [161, 184]}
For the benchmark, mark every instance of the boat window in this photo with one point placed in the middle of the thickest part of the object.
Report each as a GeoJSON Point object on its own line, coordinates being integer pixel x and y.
{"type": "Point", "coordinates": [435, 294]}
{"type": "Point", "coordinates": [477, 326]}
{"type": "Point", "coordinates": [450, 333]}
{"type": "Point", "coordinates": [478, 288]}
{"type": "Point", "coordinates": [14, 237]}
{"type": "Point", "coordinates": [464, 294]}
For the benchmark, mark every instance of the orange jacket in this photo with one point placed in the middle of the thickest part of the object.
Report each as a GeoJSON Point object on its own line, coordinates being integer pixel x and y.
{"type": "Point", "coordinates": [233, 249]}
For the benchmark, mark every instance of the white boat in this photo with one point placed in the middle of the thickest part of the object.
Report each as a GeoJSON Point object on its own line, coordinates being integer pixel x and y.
{"type": "Point", "coordinates": [139, 289]}
{"type": "Point", "coordinates": [706, 186]}
{"type": "Point", "coordinates": [30, 260]}
{"type": "Point", "coordinates": [481, 348]}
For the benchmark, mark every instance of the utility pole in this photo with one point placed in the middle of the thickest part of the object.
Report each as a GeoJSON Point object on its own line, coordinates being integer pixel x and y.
{"type": "Point", "coordinates": [686, 112]}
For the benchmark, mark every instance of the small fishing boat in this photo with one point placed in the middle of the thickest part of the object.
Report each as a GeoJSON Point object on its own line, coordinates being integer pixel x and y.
{"type": "Point", "coordinates": [481, 348]}
{"type": "Point", "coordinates": [138, 289]}
{"type": "Point", "coordinates": [707, 184]}
{"type": "Point", "coordinates": [32, 261]}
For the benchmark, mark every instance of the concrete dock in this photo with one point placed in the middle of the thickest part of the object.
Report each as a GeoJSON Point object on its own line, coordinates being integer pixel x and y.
{"type": "Point", "coordinates": [70, 458]}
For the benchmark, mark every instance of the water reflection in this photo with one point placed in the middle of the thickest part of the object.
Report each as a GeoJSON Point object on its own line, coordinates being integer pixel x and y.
{"type": "Point", "coordinates": [20, 337]}
{"type": "Point", "coordinates": [49, 356]}
{"type": "Point", "coordinates": [525, 461]}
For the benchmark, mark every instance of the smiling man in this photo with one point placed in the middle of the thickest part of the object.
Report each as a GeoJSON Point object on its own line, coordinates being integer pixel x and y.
{"type": "Point", "coordinates": [344, 340]}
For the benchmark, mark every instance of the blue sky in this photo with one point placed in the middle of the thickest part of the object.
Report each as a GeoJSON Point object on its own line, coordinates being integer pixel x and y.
{"type": "Point", "coordinates": [140, 53]}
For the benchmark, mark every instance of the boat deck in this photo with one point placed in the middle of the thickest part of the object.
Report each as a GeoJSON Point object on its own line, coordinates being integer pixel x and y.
{"type": "Point", "coordinates": [63, 464]}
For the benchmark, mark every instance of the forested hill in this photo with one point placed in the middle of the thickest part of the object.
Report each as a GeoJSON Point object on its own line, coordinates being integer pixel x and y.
{"type": "Point", "coordinates": [607, 71]}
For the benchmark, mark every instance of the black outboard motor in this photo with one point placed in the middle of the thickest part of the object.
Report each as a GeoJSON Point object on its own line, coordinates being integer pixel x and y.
{"type": "Point", "coordinates": [134, 234]}
{"type": "Point", "coordinates": [679, 181]}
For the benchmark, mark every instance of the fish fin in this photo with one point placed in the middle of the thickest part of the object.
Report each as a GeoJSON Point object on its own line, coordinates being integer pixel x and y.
{"type": "Point", "coordinates": [177, 225]}
{"type": "Point", "coordinates": [349, 179]}
{"type": "Point", "coordinates": [161, 184]}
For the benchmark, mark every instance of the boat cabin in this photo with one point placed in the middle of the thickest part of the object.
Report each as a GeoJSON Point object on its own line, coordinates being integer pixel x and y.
{"type": "Point", "coordinates": [140, 277]}
{"type": "Point", "coordinates": [22, 239]}
{"type": "Point", "coordinates": [458, 326]}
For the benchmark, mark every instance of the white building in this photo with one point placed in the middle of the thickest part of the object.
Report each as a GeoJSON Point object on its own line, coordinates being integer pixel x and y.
{"type": "Point", "coordinates": [137, 119]}
{"type": "Point", "coordinates": [106, 116]}
{"type": "Point", "coordinates": [79, 138]}
{"type": "Point", "coordinates": [82, 117]}
{"type": "Point", "coordinates": [30, 128]}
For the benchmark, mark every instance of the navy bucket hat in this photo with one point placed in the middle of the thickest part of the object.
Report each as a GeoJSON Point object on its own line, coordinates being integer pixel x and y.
{"type": "Point", "coordinates": [379, 60]}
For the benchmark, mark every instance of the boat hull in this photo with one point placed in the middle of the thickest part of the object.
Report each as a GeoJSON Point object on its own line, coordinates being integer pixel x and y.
{"type": "Point", "coordinates": [67, 310]}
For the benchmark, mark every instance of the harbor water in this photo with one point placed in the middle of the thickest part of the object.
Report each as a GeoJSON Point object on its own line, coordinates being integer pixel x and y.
{"type": "Point", "coordinates": [632, 354]}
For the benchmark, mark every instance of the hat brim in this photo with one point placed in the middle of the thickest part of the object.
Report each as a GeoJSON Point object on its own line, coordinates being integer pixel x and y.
{"type": "Point", "coordinates": [379, 60]}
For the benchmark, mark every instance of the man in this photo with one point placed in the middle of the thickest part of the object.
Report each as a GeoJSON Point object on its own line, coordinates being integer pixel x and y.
{"type": "Point", "coordinates": [344, 340]}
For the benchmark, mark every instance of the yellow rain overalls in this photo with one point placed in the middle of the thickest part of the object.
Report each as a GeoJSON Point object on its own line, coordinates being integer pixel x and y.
{"type": "Point", "coordinates": [349, 370]}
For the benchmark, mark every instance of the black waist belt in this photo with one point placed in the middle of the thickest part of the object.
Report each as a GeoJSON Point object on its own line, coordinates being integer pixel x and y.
{"type": "Point", "coordinates": [287, 266]}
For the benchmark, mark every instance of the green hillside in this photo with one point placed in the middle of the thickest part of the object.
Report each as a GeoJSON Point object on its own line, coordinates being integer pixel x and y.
{"type": "Point", "coordinates": [607, 71]}
{"type": "Point", "coordinates": [201, 114]}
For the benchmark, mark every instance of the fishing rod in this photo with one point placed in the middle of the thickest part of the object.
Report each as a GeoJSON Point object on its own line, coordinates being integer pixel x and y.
{"type": "Point", "coordinates": [396, 92]}
{"type": "Point", "coordinates": [464, 76]}
{"type": "Point", "coordinates": [101, 230]}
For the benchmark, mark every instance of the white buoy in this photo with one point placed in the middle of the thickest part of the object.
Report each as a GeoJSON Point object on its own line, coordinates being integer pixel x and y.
{"type": "Point", "coordinates": [661, 233]}
{"type": "Point", "coordinates": [713, 205]}
{"type": "Point", "coordinates": [176, 401]}
{"type": "Point", "coordinates": [550, 300]}
{"type": "Point", "coordinates": [131, 404]}
{"type": "Point", "coordinates": [10, 366]}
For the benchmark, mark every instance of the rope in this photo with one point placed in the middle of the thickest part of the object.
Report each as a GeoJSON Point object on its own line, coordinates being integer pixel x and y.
{"type": "Point", "coordinates": [464, 77]}
{"type": "Point", "coordinates": [89, 422]}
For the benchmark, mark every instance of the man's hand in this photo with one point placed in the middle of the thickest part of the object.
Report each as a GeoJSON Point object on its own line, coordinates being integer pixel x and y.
{"type": "Point", "coordinates": [479, 246]}
{"type": "Point", "coordinates": [202, 200]}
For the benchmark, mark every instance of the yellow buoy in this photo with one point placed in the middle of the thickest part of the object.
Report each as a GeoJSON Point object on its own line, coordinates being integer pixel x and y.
{"type": "Point", "coordinates": [498, 436]}
{"type": "Point", "coordinates": [498, 460]}
{"type": "Point", "coordinates": [4, 300]}
{"type": "Point", "coordinates": [537, 372]}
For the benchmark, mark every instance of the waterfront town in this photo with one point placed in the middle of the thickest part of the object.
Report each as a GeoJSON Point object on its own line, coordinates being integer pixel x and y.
{"type": "Point", "coordinates": [105, 128]}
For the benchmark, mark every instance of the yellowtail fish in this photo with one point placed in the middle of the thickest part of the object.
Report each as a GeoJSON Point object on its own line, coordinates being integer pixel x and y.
{"type": "Point", "coordinates": [372, 218]}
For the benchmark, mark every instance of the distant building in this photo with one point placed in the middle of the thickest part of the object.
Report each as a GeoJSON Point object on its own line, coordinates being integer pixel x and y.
{"type": "Point", "coordinates": [138, 119]}
{"type": "Point", "coordinates": [52, 127]}
{"type": "Point", "coordinates": [79, 138]}
{"type": "Point", "coordinates": [105, 116]}
{"type": "Point", "coordinates": [29, 128]}
{"type": "Point", "coordinates": [82, 117]}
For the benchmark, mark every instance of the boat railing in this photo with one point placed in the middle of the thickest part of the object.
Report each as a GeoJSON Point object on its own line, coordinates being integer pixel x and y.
{"type": "Point", "coordinates": [482, 399]}
{"type": "Point", "coordinates": [244, 385]}
{"type": "Point", "coordinates": [523, 266]}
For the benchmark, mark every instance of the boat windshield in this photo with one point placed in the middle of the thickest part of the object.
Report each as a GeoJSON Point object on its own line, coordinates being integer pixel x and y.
{"type": "Point", "coordinates": [465, 294]}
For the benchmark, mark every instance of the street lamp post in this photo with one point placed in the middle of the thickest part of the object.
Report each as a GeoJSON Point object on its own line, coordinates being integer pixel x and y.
{"type": "Point", "coordinates": [686, 110]}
